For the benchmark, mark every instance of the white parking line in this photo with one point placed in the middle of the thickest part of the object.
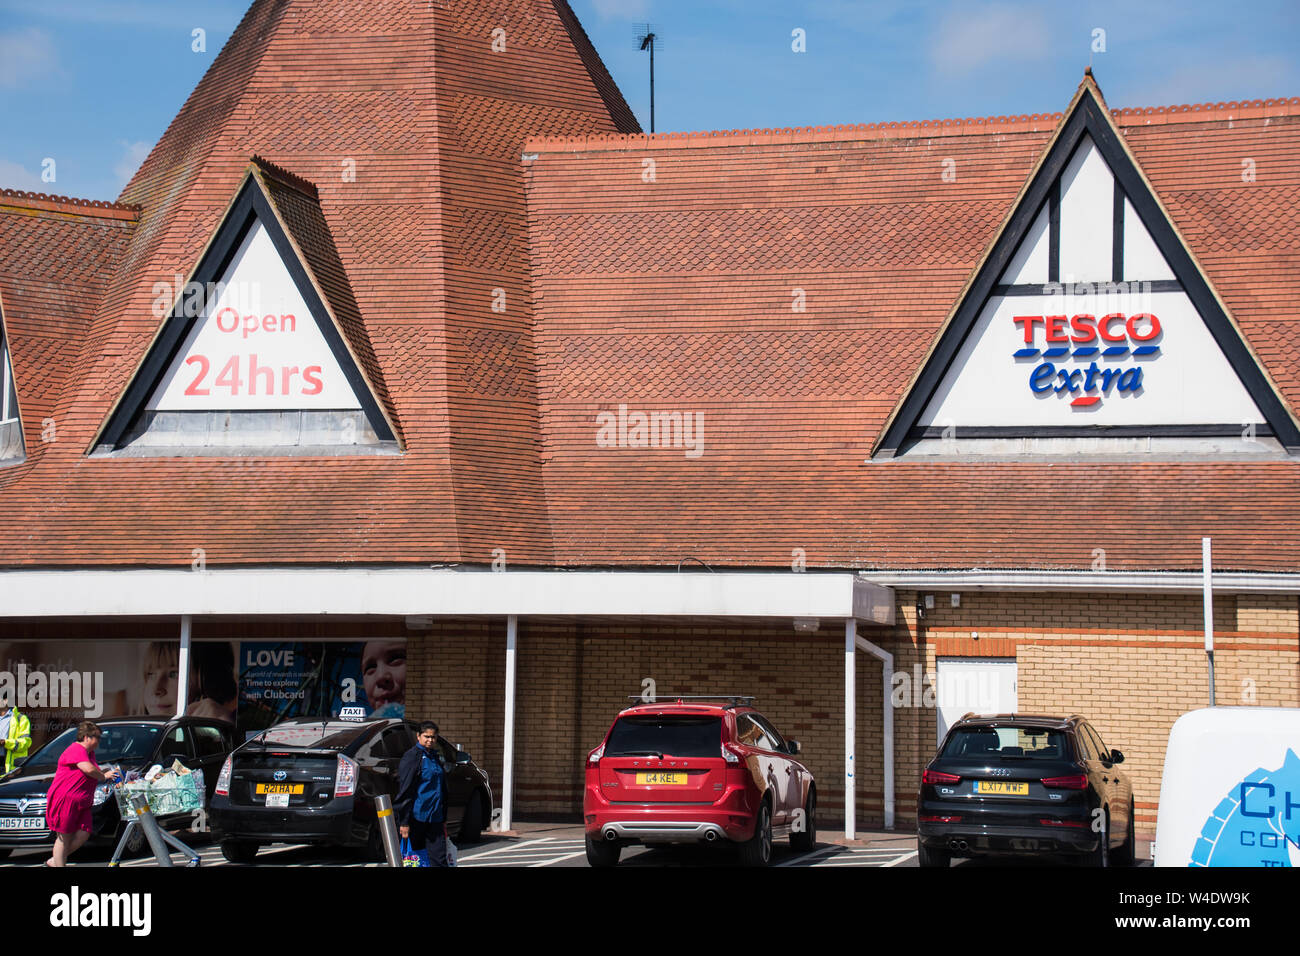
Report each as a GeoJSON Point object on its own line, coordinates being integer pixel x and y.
{"type": "Point", "coordinates": [811, 856]}
{"type": "Point", "coordinates": [508, 848]}
{"type": "Point", "coordinates": [558, 859]}
{"type": "Point", "coordinates": [902, 859]}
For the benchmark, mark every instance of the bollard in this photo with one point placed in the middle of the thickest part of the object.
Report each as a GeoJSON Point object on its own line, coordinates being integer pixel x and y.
{"type": "Point", "coordinates": [388, 829]}
{"type": "Point", "coordinates": [152, 832]}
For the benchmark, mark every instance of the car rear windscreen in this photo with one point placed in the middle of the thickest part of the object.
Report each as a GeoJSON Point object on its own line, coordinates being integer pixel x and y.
{"type": "Point", "coordinates": [661, 735]}
{"type": "Point", "coordinates": [1033, 743]}
{"type": "Point", "coordinates": [331, 735]}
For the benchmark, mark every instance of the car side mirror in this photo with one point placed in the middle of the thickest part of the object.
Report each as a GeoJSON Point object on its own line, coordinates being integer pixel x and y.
{"type": "Point", "coordinates": [1116, 757]}
{"type": "Point", "coordinates": [792, 747]}
{"type": "Point", "coordinates": [462, 757]}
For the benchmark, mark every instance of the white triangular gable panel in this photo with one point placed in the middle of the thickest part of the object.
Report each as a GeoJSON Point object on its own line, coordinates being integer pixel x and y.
{"type": "Point", "coordinates": [1029, 264]}
{"type": "Point", "coordinates": [256, 345]}
{"type": "Point", "coordinates": [1087, 227]}
{"type": "Point", "coordinates": [8, 391]}
{"type": "Point", "coordinates": [1142, 260]}
{"type": "Point", "coordinates": [1088, 351]}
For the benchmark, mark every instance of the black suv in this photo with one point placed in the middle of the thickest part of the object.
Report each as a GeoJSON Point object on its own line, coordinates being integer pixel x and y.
{"type": "Point", "coordinates": [132, 743]}
{"type": "Point", "coordinates": [315, 780]}
{"type": "Point", "coordinates": [1011, 785]}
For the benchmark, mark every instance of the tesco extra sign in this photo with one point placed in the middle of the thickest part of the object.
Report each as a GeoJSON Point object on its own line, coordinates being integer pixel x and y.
{"type": "Point", "coordinates": [1061, 343]}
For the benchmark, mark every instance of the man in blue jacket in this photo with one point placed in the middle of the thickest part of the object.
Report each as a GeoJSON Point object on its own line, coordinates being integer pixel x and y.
{"type": "Point", "coordinates": [421, 803]}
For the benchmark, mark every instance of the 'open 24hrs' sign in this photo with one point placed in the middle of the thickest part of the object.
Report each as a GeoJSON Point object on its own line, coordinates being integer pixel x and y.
{"type": "Point", "coordinates": [255, 346]}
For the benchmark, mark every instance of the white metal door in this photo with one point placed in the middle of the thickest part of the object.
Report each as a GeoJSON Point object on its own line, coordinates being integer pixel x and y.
{"type": "Point", "coordinates": [985, 685]}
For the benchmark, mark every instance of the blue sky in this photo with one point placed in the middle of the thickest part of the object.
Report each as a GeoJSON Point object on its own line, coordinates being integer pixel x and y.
{"type": "Point", "coordinates": [92, 84]}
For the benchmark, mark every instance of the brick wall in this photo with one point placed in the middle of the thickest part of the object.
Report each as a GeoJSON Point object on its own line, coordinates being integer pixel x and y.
{"type": "Point", "coordinates": [572, 678]}
{"type": "Point", "coordinates": [1131, 663]}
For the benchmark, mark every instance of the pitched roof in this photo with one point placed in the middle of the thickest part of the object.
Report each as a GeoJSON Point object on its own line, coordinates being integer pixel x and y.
{"type": "Point", "coordinates": [56, 257]}
{"type": "Point", "coordinates": [508, 303]}
{"type": "Point", "coordinates": [677, 294]}
{"type": "Point", "coordinates": [411, 127]}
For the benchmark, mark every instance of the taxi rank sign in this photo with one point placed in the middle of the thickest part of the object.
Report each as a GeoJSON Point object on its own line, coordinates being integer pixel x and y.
{"type": "Point", "coordinates": [1116, 337]}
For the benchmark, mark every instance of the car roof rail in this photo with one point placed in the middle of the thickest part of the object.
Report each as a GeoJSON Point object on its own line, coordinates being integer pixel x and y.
{"type": "Point", "coordinates": [732, 700]}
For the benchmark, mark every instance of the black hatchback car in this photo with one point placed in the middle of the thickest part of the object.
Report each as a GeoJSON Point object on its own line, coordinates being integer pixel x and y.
{"type": "Point", "coordinates": [132, 743]}
{"type": "Point", "coordinates": [314, 781]}
{"type": "Point", "coordinates": [1010, 785]}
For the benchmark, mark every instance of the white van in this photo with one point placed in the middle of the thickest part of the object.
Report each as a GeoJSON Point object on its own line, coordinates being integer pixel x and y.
{"type": "Point", "coordinates": [1230, 795]}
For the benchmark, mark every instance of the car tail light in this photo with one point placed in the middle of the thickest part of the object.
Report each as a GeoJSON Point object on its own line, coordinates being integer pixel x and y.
{"type": "Point", "coordinates": [730, 754]}
{"type": "Point", "coordinates": [1075, 781]}
{"type": "Point", "coordinates": [940, 818]}
{"type": "Point", "coordinates": [345, 778]}
{"type": "Point", "coordinates": [1047, 822]}
{"type": "Point", "coordinates": [934, 776]}
{"type": "Point", "coordinates": [223, 779]}
{"type": "Point", "coordinates": [593, 758]}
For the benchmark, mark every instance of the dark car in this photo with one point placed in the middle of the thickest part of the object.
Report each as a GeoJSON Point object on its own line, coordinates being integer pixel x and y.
{"type": "Point", "coordinates": [314, 780]}
{"type": "Point", "coordinates": [1010, 785]}
{"type": "Point", "coordinates": [133, 743]}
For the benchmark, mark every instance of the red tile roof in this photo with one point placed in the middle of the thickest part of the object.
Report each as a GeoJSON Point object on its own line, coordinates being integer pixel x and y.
{"type": "Point", "coordinates": [676, 295]}
{"type": "Point", "coordinates": [414, 99]}
{"type": "Point", "coordinates": [508, 302]}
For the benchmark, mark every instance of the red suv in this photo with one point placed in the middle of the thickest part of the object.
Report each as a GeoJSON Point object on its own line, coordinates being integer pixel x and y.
{"type": "Point", "coordinates": [694, 772]}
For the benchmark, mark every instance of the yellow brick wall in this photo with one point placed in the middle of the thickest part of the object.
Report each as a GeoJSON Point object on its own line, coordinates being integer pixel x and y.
{"type": "Point", "coordinates": [1130, 663]}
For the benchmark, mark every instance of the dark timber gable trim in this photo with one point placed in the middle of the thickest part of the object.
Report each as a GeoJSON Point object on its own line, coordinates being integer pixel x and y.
{"type": "Point", "coordinates": [1089, 117]}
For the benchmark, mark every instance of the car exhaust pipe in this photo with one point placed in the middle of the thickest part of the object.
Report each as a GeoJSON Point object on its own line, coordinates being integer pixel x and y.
{"type": "Point", "coordinates": [710, 837]}
{"type": "Point", "coordinates": [610, 834]}
{"type": "Point", "coordinates": [958, 844]}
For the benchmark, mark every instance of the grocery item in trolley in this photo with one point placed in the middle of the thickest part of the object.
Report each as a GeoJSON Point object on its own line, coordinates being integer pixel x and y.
{"type": "Point", "coordinates": [175, 790]}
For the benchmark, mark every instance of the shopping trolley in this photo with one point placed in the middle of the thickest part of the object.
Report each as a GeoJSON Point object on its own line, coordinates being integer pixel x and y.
{"type": "Point", "coordinates": [140, 803]}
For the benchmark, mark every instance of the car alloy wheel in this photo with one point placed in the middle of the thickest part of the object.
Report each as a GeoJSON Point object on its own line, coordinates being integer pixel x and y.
{"type": "Point", "coordinates": [757, 850]}
{"type": "Point", "coordinates": [806, 839]}
{"type": "Point", "coordinates": [1101, 856]}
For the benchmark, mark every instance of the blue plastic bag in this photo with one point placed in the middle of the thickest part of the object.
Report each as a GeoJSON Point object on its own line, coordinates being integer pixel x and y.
{"type": "Point", "coordinates": [413, 857]}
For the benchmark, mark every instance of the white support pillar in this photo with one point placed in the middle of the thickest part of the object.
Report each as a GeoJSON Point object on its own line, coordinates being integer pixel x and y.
{"type": "Point", "coordinates": [850, 726]}
{"type": "Point", "coordinates": [886, 721]}
{"type": "Point", "coordinates": [183, 667]}
{"type": "Point", "coordinates": [1207, 601]}
{"type": "Point", "coordinates": [508, 758]}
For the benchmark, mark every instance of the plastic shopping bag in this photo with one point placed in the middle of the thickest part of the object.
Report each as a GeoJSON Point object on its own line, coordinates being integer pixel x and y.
{"type": "Point", "coordinates": [413, 857]}
{"type": "Point", "coordinates": [452, 853]}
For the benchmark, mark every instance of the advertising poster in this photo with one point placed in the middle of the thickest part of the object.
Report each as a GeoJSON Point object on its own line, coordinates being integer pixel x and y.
{"type": "Point", "coordinates": [57, 684]}
{"type": "Point", "coordinates": [283, 679]}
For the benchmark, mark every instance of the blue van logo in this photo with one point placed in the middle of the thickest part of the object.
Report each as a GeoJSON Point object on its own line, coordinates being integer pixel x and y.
{"type": "Point", "coordinates": [1258, 824]}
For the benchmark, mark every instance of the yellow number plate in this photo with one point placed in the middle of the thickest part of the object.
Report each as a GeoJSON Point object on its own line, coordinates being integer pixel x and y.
{"type": "Point", "coordinates": [1002, 788]}
{"type": "Point", "coordinates": [278, 788]}
{"type": "Point", "coordinates": [661, 779]}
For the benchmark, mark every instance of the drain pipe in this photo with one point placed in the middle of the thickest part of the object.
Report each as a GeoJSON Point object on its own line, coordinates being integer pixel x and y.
{"type": "Point", "coordinates": [887, 720]}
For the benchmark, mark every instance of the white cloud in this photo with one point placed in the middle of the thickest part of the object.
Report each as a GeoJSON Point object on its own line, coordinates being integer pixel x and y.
{"type": "Point", "coordinates": [26, 56]}
{"type": "Point", "coordinates": [970, 37]}
{"type": "Point", "coordinates": [1233, 78]}
{"type": "Point", "coordinates": [134, 154]}
{"type": "Point", "coordinates": [16, 176]}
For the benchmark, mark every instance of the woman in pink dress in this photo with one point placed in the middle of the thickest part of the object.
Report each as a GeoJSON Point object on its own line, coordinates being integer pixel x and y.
{"type": "Point", "coordinates": [72, 793]}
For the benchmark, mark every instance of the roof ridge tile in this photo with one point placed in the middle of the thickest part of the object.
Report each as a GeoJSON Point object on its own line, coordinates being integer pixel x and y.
{"type": "Point", "coordinates": [286, 178]}
{"type": "Point", "coordinates": [1184, 113]}
{"type": "Point", "coordinates": [101, 207]}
